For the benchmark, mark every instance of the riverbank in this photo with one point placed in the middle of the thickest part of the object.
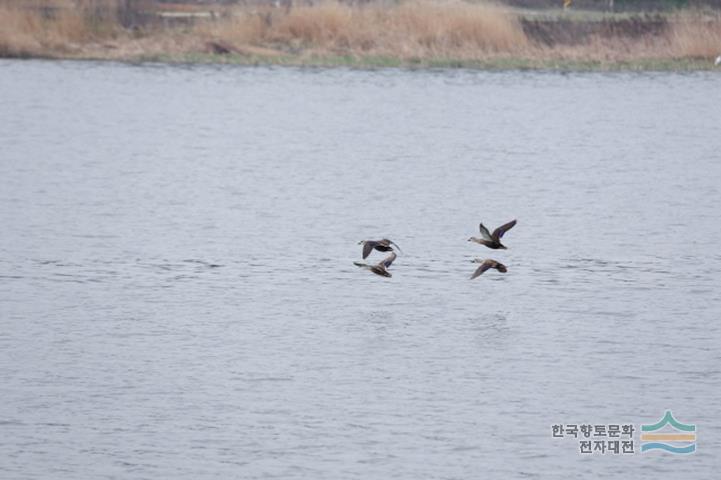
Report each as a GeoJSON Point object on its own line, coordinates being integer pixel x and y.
{"type": "Point", "coordinates": [492, 64]}
{"type": "Point", "coordinates": [410, 34]}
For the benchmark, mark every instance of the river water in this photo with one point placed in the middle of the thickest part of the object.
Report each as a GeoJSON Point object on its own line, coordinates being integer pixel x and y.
{"type": "Point", "coordinates": [178, 297]}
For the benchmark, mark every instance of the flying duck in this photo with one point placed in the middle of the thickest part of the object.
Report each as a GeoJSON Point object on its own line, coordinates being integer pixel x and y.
{"type": "Point", "coordinates": [380, 268]}
{"type": "Point", "coordinates": [493, 240]}
{"type": "Point", "coordinates": [485, 265]}
{"type": "Point", "coordinates": [384, 245]}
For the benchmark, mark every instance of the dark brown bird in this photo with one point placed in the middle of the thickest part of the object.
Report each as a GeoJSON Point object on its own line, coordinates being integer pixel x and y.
{"type": "Point", "coordinates": [380, 268]}
{"type": "Point", "coordinates": [384, 245]}
{"type": "Point", "coordinates": [485, 265]}
{"type": "Point", "coordinates": [493, 240]}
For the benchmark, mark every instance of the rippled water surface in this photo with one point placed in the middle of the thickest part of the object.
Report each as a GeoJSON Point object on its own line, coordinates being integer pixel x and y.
{"type": "Point", "coordinates": [178, 297]}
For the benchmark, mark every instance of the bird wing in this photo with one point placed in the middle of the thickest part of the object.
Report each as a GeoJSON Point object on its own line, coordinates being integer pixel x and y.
{"type": "Point", "coordinates": [485, 233]}
{"type": "Point", "coordinates": [500, 267]}
{"type": "Point", "coordinates": [484, 266]}
{"type": "Point", "coordinates": [498, 233]}
{"type": "Point", "coordinates": [386, 262]}
{"type": "Point", "coordinates": [368, 247]}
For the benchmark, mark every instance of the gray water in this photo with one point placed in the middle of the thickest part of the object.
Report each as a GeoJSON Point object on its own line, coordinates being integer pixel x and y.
{"type": "Point", "coordinates": [178, 297]}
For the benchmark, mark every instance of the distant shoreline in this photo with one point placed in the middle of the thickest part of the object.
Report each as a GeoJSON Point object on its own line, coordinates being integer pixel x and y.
{"type": "Point", "coordinates": [373, 63]}
{"type": "Point", "coordinates": [414, 35]}
{"type": "Point", "coordinates": [497, 64]}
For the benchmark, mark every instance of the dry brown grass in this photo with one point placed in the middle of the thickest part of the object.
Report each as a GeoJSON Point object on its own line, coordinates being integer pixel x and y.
{"type": "Point", "coordinates": [695, 37]}
{"type": "Point", "coordinates": [243, 28]}
{"type": "Point", "coordinates": [64, 29]}
{"type": "Point", "coordinates": [19, 32]}
{"type": "Point", "coordinates": [689, 36]}
{"type": "Point", "coordinates": [410, 30]}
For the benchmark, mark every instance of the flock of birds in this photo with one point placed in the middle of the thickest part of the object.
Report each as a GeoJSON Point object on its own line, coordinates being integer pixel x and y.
{"type": "Point", "coordinates": [488, 239]}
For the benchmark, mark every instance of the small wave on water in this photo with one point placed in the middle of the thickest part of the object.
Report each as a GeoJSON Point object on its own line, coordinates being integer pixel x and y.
{"type": "Point", "coordinates": [105, 271]}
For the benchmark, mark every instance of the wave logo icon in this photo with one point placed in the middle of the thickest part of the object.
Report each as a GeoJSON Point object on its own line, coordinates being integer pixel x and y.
{"type": "Point", "coordinates": [679, 438]}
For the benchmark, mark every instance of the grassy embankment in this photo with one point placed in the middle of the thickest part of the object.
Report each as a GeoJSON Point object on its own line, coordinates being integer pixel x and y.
{"type": "Point", "coordinates": [410, 33]}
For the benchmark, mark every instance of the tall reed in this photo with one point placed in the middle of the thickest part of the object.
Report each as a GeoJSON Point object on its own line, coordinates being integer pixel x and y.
{"type": "Point", "coordinates": [406, 30]}
{"type": "Point", "coordinates": [413, 28]}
